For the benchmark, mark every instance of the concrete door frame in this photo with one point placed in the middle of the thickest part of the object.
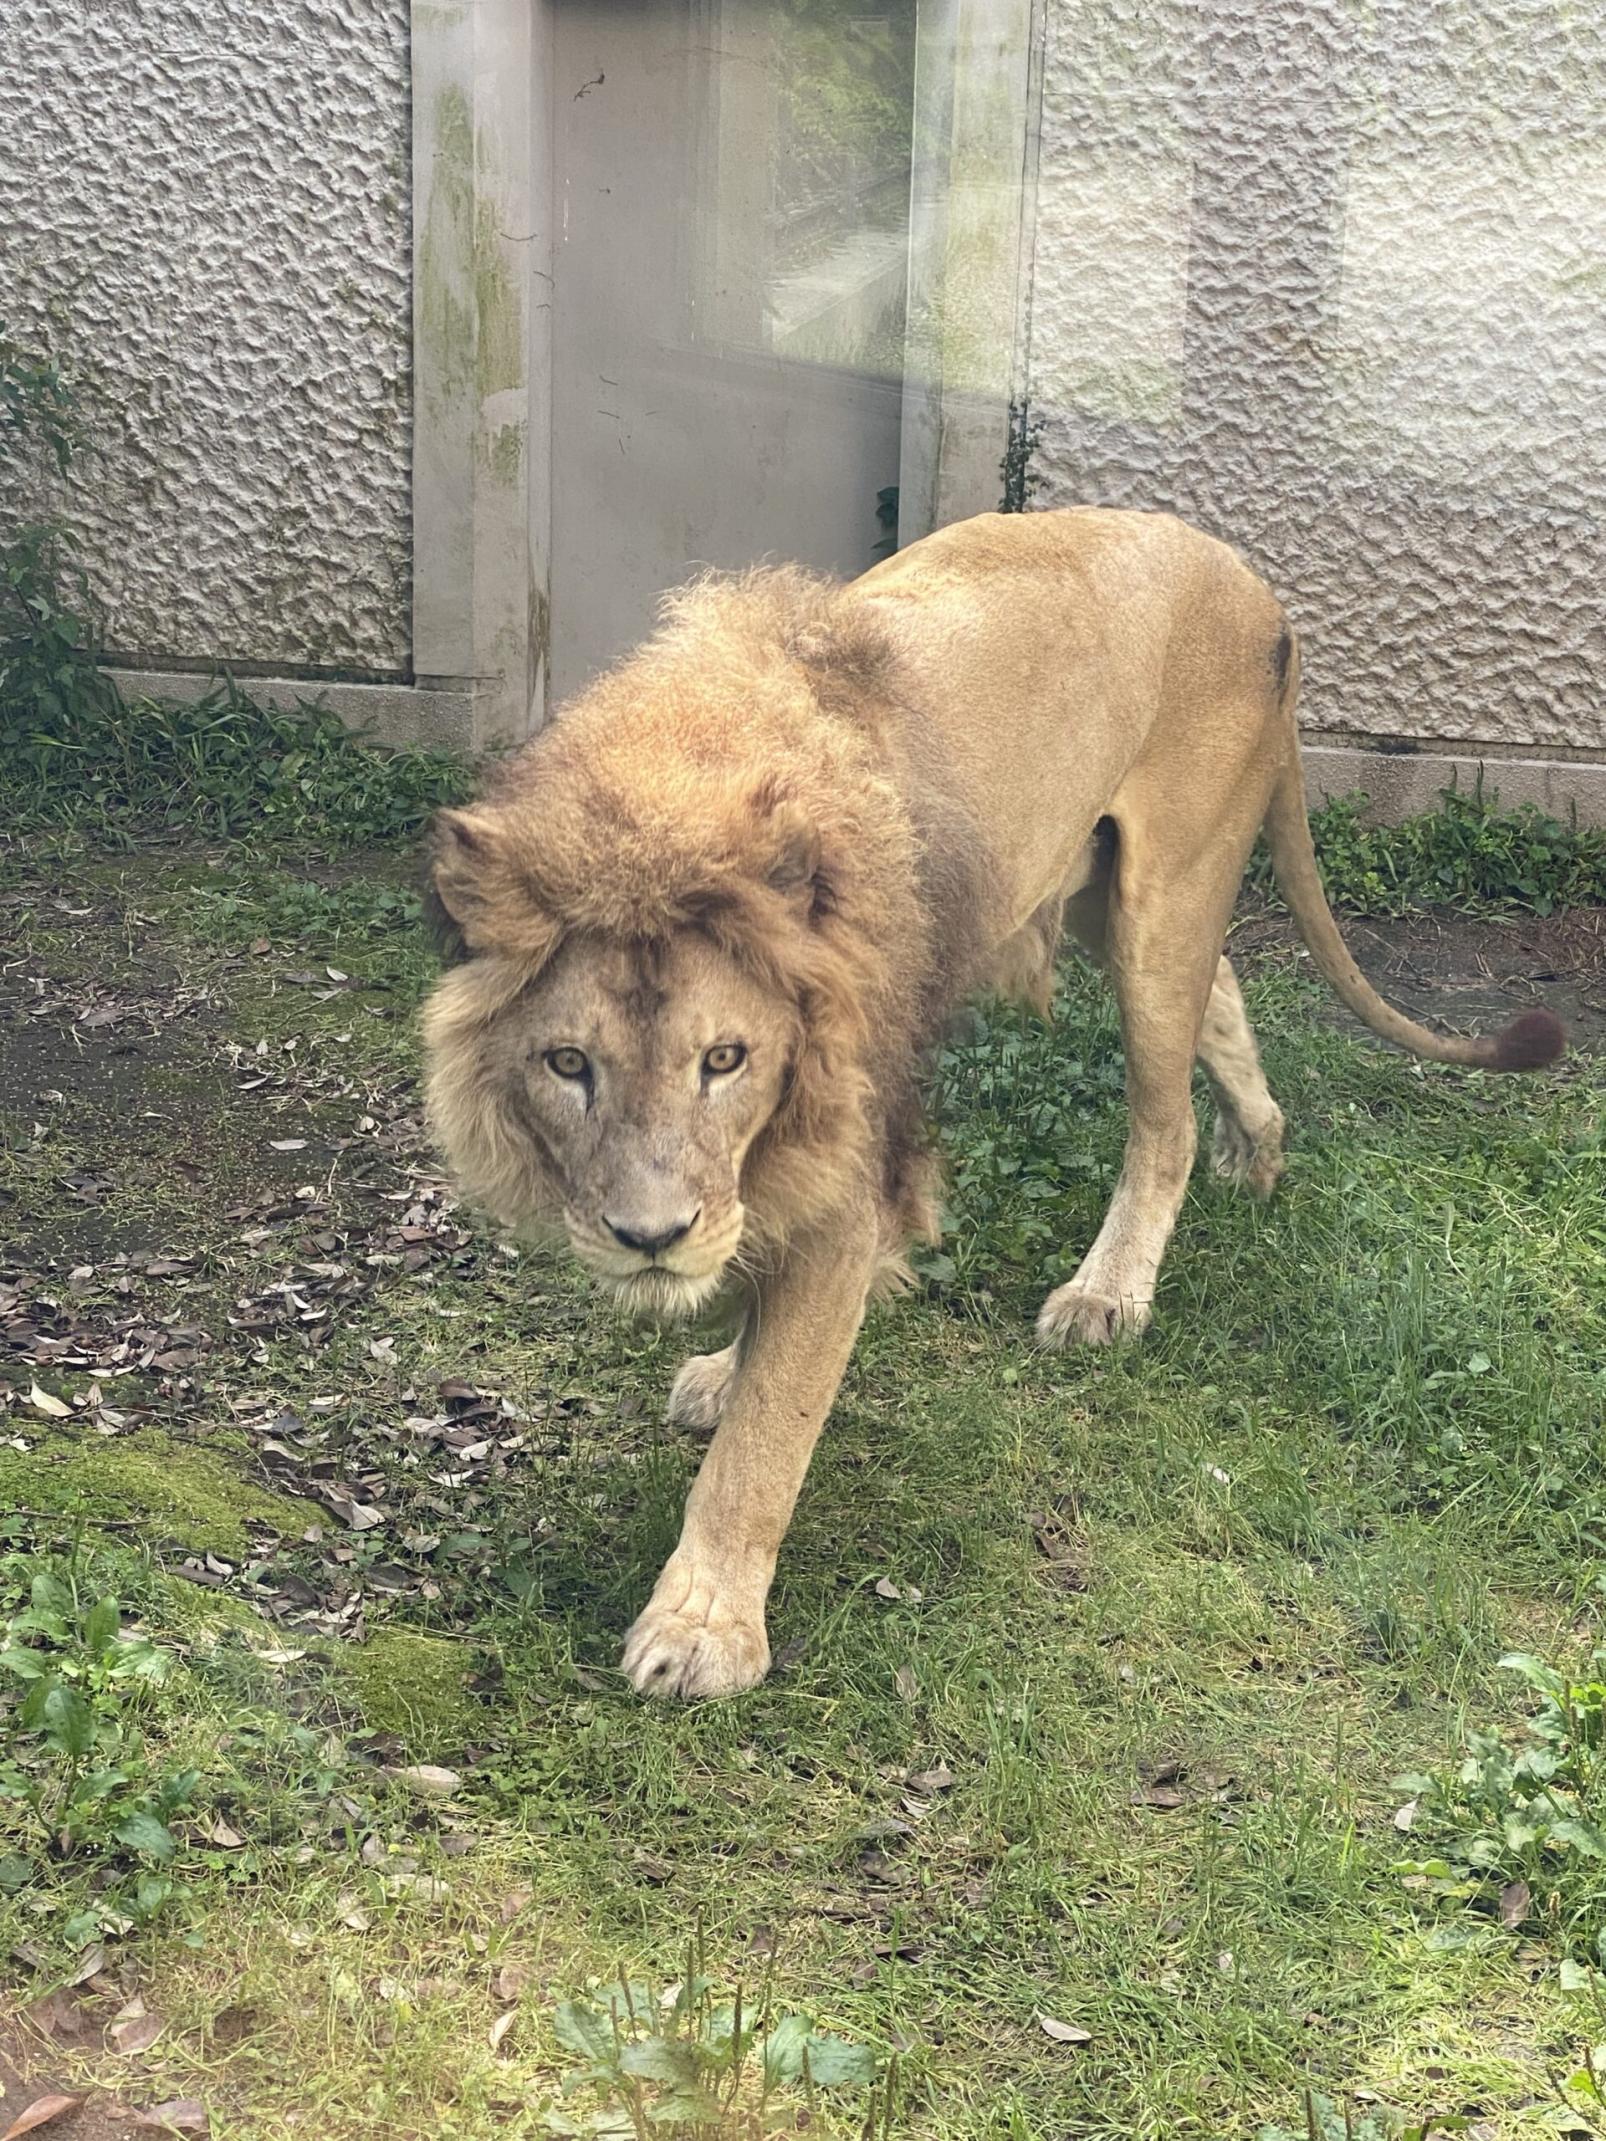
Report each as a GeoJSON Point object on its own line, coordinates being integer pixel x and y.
{"type": "Point", "coordinates": [482, 261]}
{"type": "Point", "coordinates": [972, 240]}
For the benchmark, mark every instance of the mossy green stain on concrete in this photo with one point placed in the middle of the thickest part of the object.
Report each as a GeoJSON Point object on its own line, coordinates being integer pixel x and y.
{"type": "Point", "coordinates": [446, 246]}
{"type": "Point", "coordinates": [471, 318]}
{"type": "Point", "coordinates": [182, 1493]}
{"type": "Point", "coordinates": [504, 452]}
{"type": "Point", "coordinates": [499, 317]}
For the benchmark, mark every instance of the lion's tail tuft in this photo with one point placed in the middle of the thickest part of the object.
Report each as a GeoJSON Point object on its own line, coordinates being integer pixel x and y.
{"type": "Point", "coordinates": [1533, 1038]}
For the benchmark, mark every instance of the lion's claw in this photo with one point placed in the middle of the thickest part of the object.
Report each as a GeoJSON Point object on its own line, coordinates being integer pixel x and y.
{"type": "Point", "coordinates": [1075, 1314]}
{"type": "Point", "coordinates": [692, 1642]}
{"type": "Point", "coordinates": [1249, 1163]}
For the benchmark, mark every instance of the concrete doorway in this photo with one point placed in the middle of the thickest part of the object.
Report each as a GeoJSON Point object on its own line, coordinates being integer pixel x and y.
{"type": "Point", "coordinates": [729, 288]}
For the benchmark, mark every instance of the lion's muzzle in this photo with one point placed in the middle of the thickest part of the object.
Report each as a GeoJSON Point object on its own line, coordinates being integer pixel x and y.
{"type": "Point", "coordinates": [663, 1272]}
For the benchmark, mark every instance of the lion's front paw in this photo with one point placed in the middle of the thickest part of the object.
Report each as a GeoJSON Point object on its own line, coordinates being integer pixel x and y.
{"type": "Point", "coordinates": [1076, 1314]}
{"type": "Point", "coordinates": [1249, 1163]}
{"type": "Point", "coordinates": [693, 1641]}
{"type": "Point", "coordinates": [697, 1395]}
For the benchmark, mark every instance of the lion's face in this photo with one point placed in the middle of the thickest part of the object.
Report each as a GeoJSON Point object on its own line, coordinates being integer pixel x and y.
{"type": "Point", "coordinates": [642, 1075]}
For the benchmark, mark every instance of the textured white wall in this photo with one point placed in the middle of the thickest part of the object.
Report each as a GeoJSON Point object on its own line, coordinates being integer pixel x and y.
{"type": "Point", "coordinates": [205, 206]}
{"type": "Point", "coordinates": [1332, 282]}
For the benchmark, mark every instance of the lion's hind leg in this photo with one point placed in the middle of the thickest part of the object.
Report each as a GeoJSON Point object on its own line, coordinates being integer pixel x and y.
{"type": "Point", "coordinates": [1247, 1148]}
{"type": "Point", "coordinates": [1166, 915]}
{"type": "Point", "coordinates": [697, 1395]}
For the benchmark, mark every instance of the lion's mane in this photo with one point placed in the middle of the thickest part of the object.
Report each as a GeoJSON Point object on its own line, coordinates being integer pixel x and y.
{"type": "Point", "coordinates": [728, 777]}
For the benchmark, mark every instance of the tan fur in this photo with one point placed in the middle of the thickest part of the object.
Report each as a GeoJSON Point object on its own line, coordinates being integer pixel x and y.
{"type": "Point", "coordinates": [809, 820]}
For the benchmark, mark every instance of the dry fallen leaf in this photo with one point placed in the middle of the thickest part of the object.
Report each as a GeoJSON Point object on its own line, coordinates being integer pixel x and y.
{"type": "Point", "coordinates": [53, 1408]}
{"type": "Point", "coordinates": [39, 2113]}
{"type": "Point", "coordinates": [1166, 1797]}
{"type": "Point", "coordinates": [136, 2033]}
{"type": "Point", "coordinates": [90, 1964]}
{"type": "Point", "coordinates": [361, 1516]}
{"type": "Point", "coordinates": [59, 2015]}
{"type": "Point", "coordinates": [1514, 1901]}
{"type": "Point", "coordinates": [428, 1780]}
{"type": "Point", "coordinates": [1405, 1815]}
{"type": "Point", "coordinates": [179, 2115]}
{"type": "Point", "coordinates": [1063, 2032]}
{"type": "Point", "coordinates": [423, 1885]}
{"type": "Point", "coordinates": [500, 2027]}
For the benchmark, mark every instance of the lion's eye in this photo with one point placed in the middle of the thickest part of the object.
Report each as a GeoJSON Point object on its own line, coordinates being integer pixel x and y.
{"type": "Point", "coordinates": [727, 1057]}
{"type": "Point", "coordinates": [568, 1063]}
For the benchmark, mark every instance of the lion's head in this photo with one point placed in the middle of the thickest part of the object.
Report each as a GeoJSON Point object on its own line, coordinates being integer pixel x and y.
{"type": "Point", "coordinates": [684, 915]}
{"type": "Point", "coordinates": [623, 1086]}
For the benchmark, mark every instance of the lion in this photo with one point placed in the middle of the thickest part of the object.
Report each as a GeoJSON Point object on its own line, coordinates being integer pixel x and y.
{"type": "Point", "coordinates": [707, 925]}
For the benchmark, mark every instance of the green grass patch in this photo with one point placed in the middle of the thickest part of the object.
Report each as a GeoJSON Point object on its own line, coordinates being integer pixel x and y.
{"type": "Point", "coordinates": [1469, 853]}
{"type": "Point", "coordinates": [1096, 1674]}
{"type": "Point", "coordinates": [225, 764]}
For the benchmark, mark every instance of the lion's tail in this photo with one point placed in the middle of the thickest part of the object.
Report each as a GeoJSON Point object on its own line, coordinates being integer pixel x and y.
{"type": "Point", "coordinates": [1533, 1038]}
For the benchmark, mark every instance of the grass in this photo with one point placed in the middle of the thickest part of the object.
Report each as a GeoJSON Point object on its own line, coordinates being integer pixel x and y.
{"type": "Point", "coordinates": [1469, 852]}
{"type": "Point", "coordinates": [1171, 1620]}
{"type": "Point", "coordinates": [223, 764]}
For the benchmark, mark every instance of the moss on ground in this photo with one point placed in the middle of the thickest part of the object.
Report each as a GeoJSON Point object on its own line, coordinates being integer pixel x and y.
{"type": "Point", "coordinates": [415, 1686]}
{"type": "Point", "coordinates": [199, 1615]}
{"type": "Point", "coordinates": [169, 1490]}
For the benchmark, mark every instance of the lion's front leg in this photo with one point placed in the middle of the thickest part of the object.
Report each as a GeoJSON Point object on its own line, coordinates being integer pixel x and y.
{"type": "Point", "coordinates": [702, 1631]}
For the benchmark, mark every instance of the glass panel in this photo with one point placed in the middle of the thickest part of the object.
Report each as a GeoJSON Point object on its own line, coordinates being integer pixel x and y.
{"type": "Point", "coordinates": [729, 300]}
{"type": "Point", "coordinates": [807, 221]}
{"type": "Point", "coordinates": [1326, 278]}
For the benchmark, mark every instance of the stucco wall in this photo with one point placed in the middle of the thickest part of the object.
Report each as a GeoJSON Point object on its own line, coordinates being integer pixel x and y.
{"type": "Point", "coordinates": [205, 206]}
{"type": "Point", "coordinates": [1332, 282]}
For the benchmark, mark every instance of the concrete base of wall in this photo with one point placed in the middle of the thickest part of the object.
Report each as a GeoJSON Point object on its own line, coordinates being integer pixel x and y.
{"type": "Point", "coordinates": [1403, 784]}
{"type": "Point", "coordinates": [435, 717]}
{"type": "Point", "coordinates": [1400, 784]}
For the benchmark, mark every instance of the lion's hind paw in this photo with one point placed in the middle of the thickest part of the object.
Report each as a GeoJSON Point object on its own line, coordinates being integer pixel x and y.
{"type": "Point", "coordinates": [697, 1395]}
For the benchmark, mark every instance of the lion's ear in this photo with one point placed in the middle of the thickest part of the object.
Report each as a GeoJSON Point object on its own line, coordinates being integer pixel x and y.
{"type": "Point", "coordinates": [797, 866]}
{"type": "Point", "coordinates": [467, 856]}
{"type": "Point", "coordinates": [486, 900]}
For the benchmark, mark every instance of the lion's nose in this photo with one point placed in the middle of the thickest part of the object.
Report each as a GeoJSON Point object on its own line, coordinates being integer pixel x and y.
{"type": "Point", "coordinates": [653, 1244]}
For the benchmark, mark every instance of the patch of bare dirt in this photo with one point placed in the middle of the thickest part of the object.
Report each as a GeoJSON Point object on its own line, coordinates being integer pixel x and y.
{"type": "Point", "coordinates": [1469, 972]}
{"type": "Point", "coordinates": [34, 2100]}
